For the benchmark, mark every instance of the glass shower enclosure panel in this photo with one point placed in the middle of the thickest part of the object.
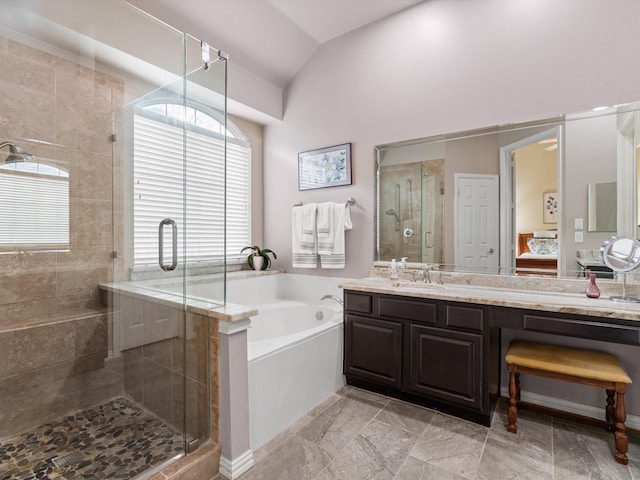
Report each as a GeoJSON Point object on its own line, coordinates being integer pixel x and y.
{"type": "Point", "coordinates": [98, 355]}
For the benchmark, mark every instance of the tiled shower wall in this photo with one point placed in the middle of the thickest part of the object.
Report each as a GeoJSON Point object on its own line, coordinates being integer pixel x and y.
{"type": "Point", "coordinates": [53, 331]}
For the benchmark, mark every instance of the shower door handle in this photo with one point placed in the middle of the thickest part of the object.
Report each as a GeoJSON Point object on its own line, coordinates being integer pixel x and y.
{"type": "Point", "coordinates": [174, 244]}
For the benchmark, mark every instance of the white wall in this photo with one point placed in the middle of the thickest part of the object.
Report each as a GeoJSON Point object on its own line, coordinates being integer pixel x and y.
{"type": "Point", "coordinates": [439, 67]}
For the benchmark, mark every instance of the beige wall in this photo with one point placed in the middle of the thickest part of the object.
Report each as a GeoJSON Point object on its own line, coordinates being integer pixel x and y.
{"type": "Point", "coordinates": [536, 173]}
{"type": "Point", "coordinates": [255, 134]}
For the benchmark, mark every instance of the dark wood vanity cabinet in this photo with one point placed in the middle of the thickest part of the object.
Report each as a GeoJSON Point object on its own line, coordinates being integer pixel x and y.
{"type": "Point", "coordinates": [373, 349]}
{"type": "Point", "coordinates": [444, 364]}
{"type": "Point", "coordinates": [432, 352]}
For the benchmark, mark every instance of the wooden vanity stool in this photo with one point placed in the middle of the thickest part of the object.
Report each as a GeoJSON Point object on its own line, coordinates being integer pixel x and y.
{"type": "Point", "coordinates": [596, 369]}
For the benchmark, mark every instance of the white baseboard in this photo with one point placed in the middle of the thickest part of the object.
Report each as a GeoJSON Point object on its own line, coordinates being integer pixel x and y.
{"type": "Point", "coordinates": [232, 469]}
{"type": "Point", "coordinates": [633, 421]}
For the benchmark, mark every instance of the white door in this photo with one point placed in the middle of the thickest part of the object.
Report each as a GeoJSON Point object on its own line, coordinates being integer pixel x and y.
{"type": "Point", "coordinates": [477, 222]}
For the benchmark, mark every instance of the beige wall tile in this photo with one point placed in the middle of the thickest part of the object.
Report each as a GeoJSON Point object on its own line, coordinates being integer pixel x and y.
{"type": "Point", "coordinates": [80, 281]}
{"type": "Point", "coordinates": [34, 348]}
{"type": "Point", "coordinates": [27, 287]}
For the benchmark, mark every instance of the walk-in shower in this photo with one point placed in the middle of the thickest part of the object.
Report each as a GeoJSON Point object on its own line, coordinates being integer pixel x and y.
{"type": "Point", "coordinates": [93, 385]}
{"type": "Point", "coordinates": [416, 227]}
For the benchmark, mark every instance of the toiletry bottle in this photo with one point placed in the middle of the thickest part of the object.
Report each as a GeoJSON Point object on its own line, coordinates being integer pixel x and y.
{"type": "Point", "coordinates": [393, 271]}
{"type": "Point", "coordinates": [403, 262]}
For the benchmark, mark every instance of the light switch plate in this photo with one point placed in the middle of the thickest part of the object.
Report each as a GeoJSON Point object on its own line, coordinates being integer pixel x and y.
{"type": "Point", "coordinates": [578, 224]}
{"type": "Point", "coordinates": [577, 236]}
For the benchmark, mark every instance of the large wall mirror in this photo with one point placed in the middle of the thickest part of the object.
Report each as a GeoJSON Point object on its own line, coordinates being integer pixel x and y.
{"type": "Point", "coordinates": [515, 199]}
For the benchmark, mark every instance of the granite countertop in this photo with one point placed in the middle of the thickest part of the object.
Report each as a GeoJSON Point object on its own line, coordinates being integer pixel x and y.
{"type": "Point", "coordinates": [562, 302]}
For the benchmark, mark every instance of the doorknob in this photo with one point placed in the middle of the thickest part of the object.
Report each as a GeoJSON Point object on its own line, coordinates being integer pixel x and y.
{"type": "Point", "coordinates": [490, 251]}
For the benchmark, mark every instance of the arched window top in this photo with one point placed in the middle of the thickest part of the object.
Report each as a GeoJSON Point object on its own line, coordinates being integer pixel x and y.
{"type": "Point", "coordinates": [206, 120]}
{"type": "Point", "coordinates": [36, 167]}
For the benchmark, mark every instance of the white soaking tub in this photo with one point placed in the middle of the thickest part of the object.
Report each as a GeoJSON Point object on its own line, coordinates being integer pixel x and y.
{"type": "Point", "coordinates": [294, 348]}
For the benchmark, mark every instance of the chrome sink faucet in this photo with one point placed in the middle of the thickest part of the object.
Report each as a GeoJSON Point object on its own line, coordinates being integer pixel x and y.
{"type": "Point", "coordinates": [333, 297]}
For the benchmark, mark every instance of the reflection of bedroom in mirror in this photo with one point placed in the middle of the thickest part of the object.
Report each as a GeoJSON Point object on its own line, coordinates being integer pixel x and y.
{"type": "Point", "coordinates": [413, 225]}
{"type": "Point", "coordinates": [535, 187]}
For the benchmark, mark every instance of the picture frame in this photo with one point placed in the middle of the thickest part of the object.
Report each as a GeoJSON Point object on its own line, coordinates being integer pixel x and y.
{"type": "Point", "coordinates": [550, 207]}
{"type": "Point", "coordinates": [325, 167]}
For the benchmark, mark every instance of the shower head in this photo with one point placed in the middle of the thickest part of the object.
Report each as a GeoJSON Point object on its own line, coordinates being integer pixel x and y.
{"type": "Point", "coordinates": [16, 153]}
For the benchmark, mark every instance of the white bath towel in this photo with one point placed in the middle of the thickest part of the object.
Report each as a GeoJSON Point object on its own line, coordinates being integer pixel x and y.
{"type": "Point", "coordinates": [341, 221]}
{"type": "Point", "coordinates": [304, 247]}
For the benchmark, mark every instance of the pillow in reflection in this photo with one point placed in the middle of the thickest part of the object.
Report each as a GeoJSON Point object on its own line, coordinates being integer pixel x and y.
{"type": "Point", "coordinates": [545, 233]}
{"type": "Point", "coordinates": [543, 246]}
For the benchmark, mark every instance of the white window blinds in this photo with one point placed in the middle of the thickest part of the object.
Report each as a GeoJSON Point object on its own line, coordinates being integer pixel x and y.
{"type": "Point", "coordinates": [192, 194]}
{"type": "Point", "coordinates": [34, 209]}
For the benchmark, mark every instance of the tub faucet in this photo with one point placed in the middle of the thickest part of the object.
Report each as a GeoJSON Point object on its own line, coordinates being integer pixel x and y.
{"type": "Point", "coordinates": [337, 299]}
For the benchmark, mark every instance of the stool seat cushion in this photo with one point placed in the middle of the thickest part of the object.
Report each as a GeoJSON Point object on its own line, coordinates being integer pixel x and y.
{"type": "Point", "coordinates": [578, 363]}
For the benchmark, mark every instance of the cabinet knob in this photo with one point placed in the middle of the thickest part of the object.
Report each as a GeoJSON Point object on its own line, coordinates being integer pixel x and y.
{"type": "Point", "coordinates": [490, 251]}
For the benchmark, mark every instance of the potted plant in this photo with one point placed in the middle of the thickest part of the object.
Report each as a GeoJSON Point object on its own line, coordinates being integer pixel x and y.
{"type": "Point", "coordinates": [259, 259]}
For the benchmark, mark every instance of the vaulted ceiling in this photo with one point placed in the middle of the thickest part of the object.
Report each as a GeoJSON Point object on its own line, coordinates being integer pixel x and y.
{"type": "Point", "coordinates": [270, 38]}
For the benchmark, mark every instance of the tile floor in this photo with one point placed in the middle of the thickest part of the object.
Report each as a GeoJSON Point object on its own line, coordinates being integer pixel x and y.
{"type": "Point", "coordinates": [357, 435]}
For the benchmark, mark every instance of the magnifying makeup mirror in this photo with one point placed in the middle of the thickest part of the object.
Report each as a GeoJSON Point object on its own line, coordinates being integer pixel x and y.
{"type": "Point", "coordinates": [621, 254]}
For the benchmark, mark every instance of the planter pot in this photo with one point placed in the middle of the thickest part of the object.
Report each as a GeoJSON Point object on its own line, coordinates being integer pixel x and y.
{"type": "Point", "coordinates": [257, 262]}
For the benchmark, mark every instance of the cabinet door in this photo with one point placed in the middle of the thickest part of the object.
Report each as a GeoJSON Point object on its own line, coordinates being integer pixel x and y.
{"type": "Point", "coordinates": [373, 350]}
{"type": "Point", "coordinates": [445, 364]}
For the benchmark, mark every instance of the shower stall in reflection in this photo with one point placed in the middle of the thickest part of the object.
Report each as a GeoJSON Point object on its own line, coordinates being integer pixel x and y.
{"type": "Point", "coordinates": [90, 382]}
{"type": "Point", "coordinates": [413, 228]}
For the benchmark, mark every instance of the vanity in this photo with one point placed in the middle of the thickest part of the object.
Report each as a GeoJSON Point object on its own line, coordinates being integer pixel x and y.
{"type": "Point", "coordinates": [438, 345]}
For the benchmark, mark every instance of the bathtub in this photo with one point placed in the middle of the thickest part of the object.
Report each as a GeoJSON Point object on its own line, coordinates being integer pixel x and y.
{"type": "Point", "coordinates": [294, 344]}
{"type": "Point", "coordinates": [294, 348]}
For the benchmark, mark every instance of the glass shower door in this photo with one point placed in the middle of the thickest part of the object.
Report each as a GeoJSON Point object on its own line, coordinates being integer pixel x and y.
{"type": "Point", "coordinates": [97, 354]}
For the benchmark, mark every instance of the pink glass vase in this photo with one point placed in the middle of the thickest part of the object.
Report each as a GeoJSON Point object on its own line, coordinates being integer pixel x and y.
{"type": "Point", "coordinates": [592, 290]}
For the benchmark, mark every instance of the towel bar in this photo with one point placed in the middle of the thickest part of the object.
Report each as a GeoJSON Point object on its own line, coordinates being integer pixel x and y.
{"type": "Point", "coordinates": [350, 202]}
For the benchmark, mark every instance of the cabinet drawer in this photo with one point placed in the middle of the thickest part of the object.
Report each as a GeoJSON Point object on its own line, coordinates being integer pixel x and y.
{"type": "Point", "coordinates": [469, 318]}
{"type": "Point", "coordinates": [581, 328]}
{"type": "Point", "coordinates": [423, 312]}
{"type": "Point", "coordinates": [357, 302]}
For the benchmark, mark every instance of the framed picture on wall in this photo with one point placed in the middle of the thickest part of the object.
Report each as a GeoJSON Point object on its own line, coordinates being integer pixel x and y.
{"type": "Point", "coordinates": [325, 167]}
{"type": "Point", "coordinates": [550, 207]}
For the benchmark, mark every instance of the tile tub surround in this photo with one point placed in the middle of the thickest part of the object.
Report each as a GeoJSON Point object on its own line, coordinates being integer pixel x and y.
{"type": "Point", "coordinates": [388, 439]}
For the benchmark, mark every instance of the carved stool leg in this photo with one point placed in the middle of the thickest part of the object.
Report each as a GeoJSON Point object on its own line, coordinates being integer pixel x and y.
{"type": "Point", "coordinates": [622, 441]}
{"type": "Point", "coordinates": [518, 386]}
{"type": "Point", "coordinates": [611, 416]}
{"type": "Point", "coordinates": [513, 393]}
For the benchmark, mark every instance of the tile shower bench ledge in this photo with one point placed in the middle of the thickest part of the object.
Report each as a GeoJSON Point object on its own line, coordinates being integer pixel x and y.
{"type": "Point", "coordinates": [21, 323]}
{"type": "Point", "coordinates": [548, 301]}
{"type": "Point", "coordinates": [230, 312]}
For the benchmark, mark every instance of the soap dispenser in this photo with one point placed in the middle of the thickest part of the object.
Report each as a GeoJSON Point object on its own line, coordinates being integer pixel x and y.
{"type": "Point", "coordinates": [393, 271]}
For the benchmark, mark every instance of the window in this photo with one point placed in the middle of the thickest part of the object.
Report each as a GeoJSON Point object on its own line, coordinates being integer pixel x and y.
{"type": "Point", "coordinates": [34, 206]}
{"type": "Point", "coordinates": [160, 178]}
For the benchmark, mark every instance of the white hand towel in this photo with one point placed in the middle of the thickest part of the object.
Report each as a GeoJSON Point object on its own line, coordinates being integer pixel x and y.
{"type": "Point", "coordinates": [325, 227]}
{"type": "Point", "coordinates": [303, 245]}
{"type": "Point", "coordinates": [341, 223]}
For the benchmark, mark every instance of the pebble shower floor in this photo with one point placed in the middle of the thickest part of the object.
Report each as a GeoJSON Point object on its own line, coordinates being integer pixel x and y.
{"type": "Point", "coordinates": [118, 439]}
